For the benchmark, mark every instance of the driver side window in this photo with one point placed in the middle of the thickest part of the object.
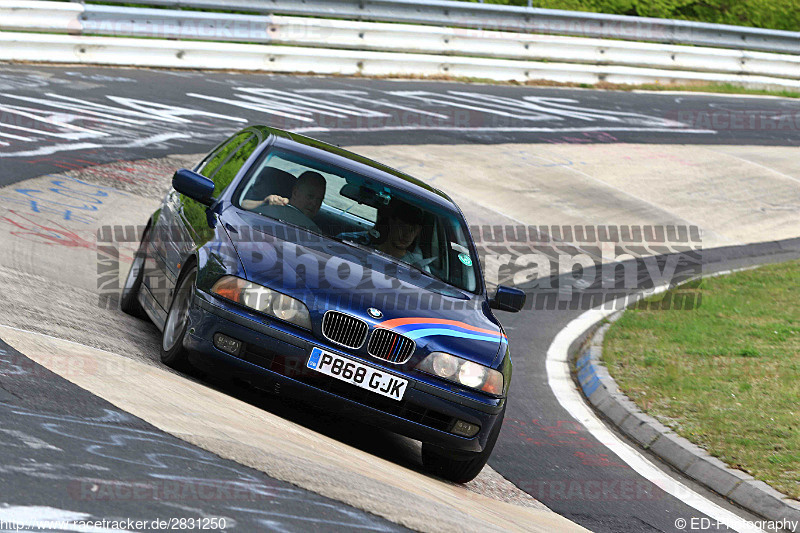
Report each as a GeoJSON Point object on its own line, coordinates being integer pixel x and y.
{"type": "Point", "coordinates": [220, 167]}
{"type": "Point", "coordinates": [223, 165]}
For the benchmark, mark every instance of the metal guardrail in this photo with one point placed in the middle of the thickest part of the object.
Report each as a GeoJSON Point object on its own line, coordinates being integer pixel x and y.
{"type": "Point", "coordinates": [115, 21]}
{"type": "Point", "coordinates": [213, 55]}
{"type": "Point", "coordinates": [513, 18]}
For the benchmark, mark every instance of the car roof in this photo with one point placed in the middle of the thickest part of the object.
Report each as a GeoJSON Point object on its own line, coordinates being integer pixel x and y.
{"type": "Point", "coordinates": [362, 165]}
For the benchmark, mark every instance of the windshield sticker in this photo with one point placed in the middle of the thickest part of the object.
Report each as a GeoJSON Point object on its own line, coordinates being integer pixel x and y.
{"type": "Point", "coordinates": [459, 247]}
{"type": "Point", "coordinates": [464, 258]}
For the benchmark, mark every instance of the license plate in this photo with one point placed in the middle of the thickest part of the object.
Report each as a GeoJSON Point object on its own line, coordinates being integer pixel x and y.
{"type": "Point", "coordinates": [359, 375]}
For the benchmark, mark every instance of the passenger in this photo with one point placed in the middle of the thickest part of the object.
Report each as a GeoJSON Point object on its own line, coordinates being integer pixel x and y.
{"type": "Point", "coordinates": [397, 235]}
{"type": "Point", "coordinates": [405, 224]}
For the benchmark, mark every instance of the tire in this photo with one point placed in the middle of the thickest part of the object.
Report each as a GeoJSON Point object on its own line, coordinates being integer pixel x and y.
{"type": "Point", "coordinates": [173, 354]}
{"type": "Point", "coordinates": [440, 463]}
{"type": "Point", "coordinates": [129, 297]}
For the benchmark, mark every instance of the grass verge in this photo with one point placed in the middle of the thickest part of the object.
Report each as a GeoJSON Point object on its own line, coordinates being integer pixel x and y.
{"type": "Point", "coordinates": [725, 375]}
{"type": "Point", "coordinates": [719, 88]}
{"type": "Point", "coordinates": [723, 88]}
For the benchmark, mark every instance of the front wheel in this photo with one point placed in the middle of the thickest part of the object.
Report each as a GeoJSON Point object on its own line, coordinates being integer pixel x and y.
{"type": "Point", "coordinates": [173, 354]}
{"type": "Point", "coordinates": [438, 462]}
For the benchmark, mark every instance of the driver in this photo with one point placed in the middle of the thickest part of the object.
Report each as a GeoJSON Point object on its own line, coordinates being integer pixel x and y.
{"type": "Point", "coordinates": [299, 209]}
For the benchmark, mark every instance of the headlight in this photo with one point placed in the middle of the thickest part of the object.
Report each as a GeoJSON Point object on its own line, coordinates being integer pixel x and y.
{"type": "Point", "coordinates": [445, 365]}
{"type": "Point", "coordinates": [263, 299]}
{"type": "Point", "coordinates": [463, 372]}
{"type": "Point", "coordinates": [287, 308]}
{"type": "Point", "coordinates": [472, 375]}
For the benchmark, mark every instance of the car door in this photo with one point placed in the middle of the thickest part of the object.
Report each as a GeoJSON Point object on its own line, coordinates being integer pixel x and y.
{"type": "Point", "coordinates": [182, 224]}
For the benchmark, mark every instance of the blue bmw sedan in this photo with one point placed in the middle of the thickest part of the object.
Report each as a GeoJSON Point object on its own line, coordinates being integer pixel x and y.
{"type": "Point", "coordinates": [300, 267]}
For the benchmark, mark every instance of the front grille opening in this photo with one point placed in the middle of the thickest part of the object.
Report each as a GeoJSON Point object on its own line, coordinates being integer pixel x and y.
{"type": "Point", "coordinates": [344, 329]}
{"type": "Point", "coordinates": [390, 346]}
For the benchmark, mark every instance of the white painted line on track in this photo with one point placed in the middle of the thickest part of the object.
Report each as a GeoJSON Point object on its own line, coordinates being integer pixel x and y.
{"type": "Point", "coordinates": [49, 150]}
{"type": "Point", "coordinates": [155, 139]}
{"type": "Point", "coordinates": [280, 109]}
{"type": "Point", "coordinates": [15, 137]}
{"type": "Point", "coordinates": [30, 441]}
{"type": "Point", "coordinates": [560, 380]}
{"type": "Point", "coordinates": [504, 129]}
{"type": "Point", "coordinates": [357, 96]}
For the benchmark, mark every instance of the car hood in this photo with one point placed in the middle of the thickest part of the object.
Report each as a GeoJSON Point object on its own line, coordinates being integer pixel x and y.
{"type": "Point", "coordinates": [329, 275]}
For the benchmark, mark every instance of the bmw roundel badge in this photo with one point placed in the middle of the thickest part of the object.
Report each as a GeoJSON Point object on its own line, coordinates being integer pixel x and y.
{"type": "Point", "coordinates": [374, 313]}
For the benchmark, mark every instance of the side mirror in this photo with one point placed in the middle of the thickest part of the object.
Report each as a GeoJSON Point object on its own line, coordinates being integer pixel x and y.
{"type": "Point", "coordinates": [508, 299]}
{"type": "Point", "coordinates": [194, 186]}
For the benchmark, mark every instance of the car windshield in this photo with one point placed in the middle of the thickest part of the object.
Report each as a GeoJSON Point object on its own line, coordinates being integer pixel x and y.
{"type": "Point", "coordinates": [353, 208]}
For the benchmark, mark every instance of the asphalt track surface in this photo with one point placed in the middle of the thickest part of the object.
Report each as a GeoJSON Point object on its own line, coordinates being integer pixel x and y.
{"type": "Point", "coordinates": [149, 113]}
{"type": "Point", "coordinates": [542, 449]}
{"type": "Point", "coordinates": [118, 467]}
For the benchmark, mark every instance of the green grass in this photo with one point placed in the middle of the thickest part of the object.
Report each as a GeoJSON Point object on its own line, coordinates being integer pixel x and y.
{"type": "Point", "coordinates": [725, 375]}
{"type": "Point", "coordinates": [721, 88]}
{"type": "Point", "coordinates": [776, 14]}
{"type": "Point", "coordinates": [725, 88]}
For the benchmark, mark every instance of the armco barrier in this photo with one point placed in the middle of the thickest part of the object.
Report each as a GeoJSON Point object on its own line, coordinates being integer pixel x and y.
{"type": "Point", "coordinates": [513, 18]}
{"type": "Point", "coordinates": [372, 48]}
{"type": "Point", "coordinates": [206, 55]}
{"type": "Point", "coordinates": [326, 33]}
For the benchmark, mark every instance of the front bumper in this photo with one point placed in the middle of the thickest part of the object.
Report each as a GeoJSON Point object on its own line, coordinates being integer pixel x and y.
{"type": "Point", "coordinates": [274, 358]}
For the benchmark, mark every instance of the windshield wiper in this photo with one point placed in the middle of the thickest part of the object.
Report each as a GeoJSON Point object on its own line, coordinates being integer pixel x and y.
{"type": "Point", "coordinates": [354, 244]}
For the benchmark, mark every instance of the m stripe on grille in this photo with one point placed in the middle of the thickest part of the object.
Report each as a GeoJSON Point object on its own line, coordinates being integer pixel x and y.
{"type": "Point", "coordinates": [388, 345]}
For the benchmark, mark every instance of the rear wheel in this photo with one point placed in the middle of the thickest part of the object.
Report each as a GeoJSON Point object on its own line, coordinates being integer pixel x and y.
{"type": "Point", "coordinates": [173, 354]}
{"type": "Point", "coordinates": [460, 470]}
{"type": "Point", "coordinates": [129, 298]}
